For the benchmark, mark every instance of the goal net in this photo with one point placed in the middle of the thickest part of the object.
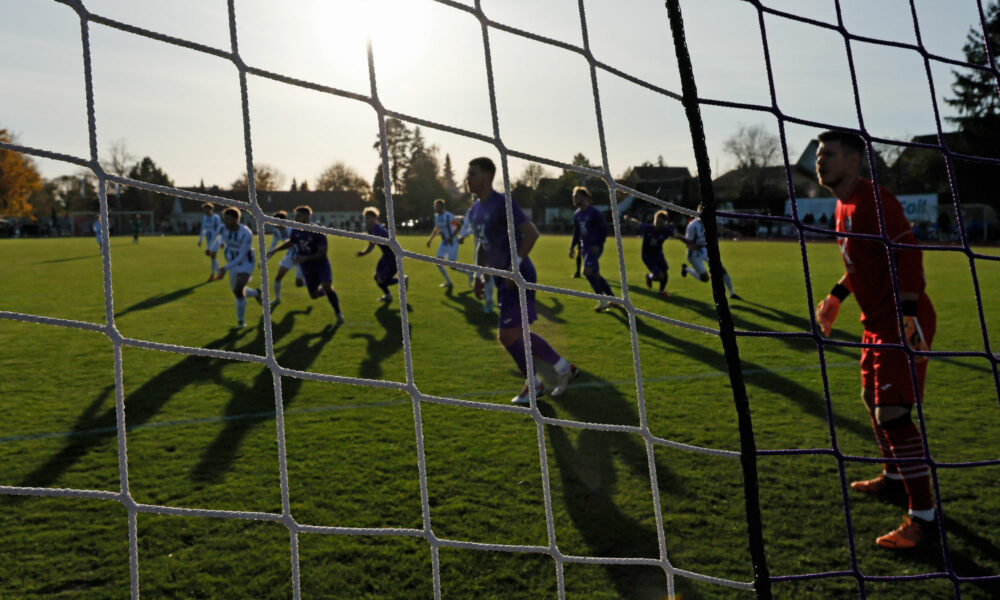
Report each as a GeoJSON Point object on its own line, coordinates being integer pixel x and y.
{"type": "Point", "coordinates": [762, 473]}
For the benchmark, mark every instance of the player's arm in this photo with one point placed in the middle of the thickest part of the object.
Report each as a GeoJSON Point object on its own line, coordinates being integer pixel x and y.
{"type": "Point", "coordinates": [909, 268]}
{"type": "Point", "coordinates": [285, 245]}
{"type": "Point", "coordinates": [371, 245]}
{"type": "Point", "coordinates": [827, 309]}
{"type": "Point", "coordinates": [529, 235]}
{"type": "Point", "coordinates": [433, 233]}
{"type": "Point", "coordinates": [573, 243]}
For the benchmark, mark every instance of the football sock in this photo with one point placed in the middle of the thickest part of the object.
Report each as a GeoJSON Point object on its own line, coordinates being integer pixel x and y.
{"type": "Point", "coordinates": [444, 274]}
{"type": "Point", "coordinates": [595, 284]}
{"type": "Point", "coordinates": [888, 469]}
{"type": "Point", "coordinates": [215, 265]}
{"type": "Point", "coordinates": [334, 301]}
{"type": "Point", "coordinates": [605, 287]}
{"type": "Point", "coordinates": [905, 442]}
{"type": "Point", "coordinates": [541, 349]}
{"type": "Point", "coordinates": [516, 351]}
{"type": "Point", "coordinates": [277, 289]}
{"type": "Point", "coordinates": [241, 309]}
{"type": "Point", "coordinates": [728, 281]}
{"type": "Point", "coordinates": [384, 288]}
{"type": "Point", "coordinates": [250, 292]}
{"type": "Point", "coordinates": [562, 365]}
{"type": "Point", "coordinates": [488, 289]}
{"type": "Point", "coordinates": [663, 282]}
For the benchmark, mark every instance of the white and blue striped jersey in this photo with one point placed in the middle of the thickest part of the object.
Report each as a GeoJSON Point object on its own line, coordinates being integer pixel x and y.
{"type": "Point", "coordinates": [211, 227]}
{"type": "Point", "coordinates": [239, 249]}
{"type": "Point", "coordinates": [279, 236]}
{"type": "Point", "coordinates": [446, 227]}
{"type": "Point", "coordinates": [695, 232]}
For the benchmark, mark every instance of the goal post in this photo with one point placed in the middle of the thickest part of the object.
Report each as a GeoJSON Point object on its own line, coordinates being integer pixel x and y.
{"type": "Point", "coordinates": [119, 221]}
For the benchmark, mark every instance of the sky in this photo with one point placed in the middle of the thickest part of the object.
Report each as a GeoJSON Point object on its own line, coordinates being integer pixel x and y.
{"type": "Point", "coordinates": [182, 107]}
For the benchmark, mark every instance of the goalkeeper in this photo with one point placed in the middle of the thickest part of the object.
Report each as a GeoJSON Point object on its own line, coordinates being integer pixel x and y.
{"type": "Point", "coordinates": [887, 386]}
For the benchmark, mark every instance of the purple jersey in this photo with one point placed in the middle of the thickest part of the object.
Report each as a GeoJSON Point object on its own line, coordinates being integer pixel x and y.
{"type": "Point", "coordinates": [490, 224]}
{"type": "Point", "coordinates": [589, 228]}
{"type": "Point", "coordinates": [307, 242]}
{"type": "Point", "coordinates": [653, 238]}
{"type": "Point", "coordinates": [380, 231]}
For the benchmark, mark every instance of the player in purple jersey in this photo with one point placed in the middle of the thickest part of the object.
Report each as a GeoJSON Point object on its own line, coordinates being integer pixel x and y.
{"type": "Point", "coordinates": [385, 269]}
{"type": "Point", "coordinates": [589, 233]}
{"type": "Point", "coordinates": [490, 223]}
{"type": "Point", "coordinates": [312, 257]}
{"type": "Point", "coordinates": [653, 237]}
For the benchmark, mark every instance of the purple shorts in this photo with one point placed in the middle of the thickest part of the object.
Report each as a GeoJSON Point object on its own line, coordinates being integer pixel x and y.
{"type": "Point", "coordinates": [656, 264]}
{"type": "Point", "coordinates": [508, 301]}
{"type": "Point", "coordinates": [316, 272]}
{"type": "Point", "coordinates": [590, 258]}
{"type": "Point", "coordinates": [385, 269]}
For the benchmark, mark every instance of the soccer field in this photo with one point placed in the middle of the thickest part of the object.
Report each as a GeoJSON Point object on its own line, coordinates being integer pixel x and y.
{"type": "Point", "coordinates": [201, 434]}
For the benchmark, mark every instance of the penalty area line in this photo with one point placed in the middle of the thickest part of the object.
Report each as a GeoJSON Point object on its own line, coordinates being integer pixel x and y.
{"type": "Point", "coordinates": [342, 407]}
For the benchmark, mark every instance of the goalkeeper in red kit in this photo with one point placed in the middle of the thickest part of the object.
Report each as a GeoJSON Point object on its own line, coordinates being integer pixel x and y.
{"type": "Point", "coordinates": [887, 386]}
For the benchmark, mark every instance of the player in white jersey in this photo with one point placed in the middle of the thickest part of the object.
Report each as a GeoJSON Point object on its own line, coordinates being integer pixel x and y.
{"type": "Point", "coordinates": [211, 232]}
{"type": "Point", "coordinates": [239, 261]}
{"type": "Point", "coordinates": [278, 237]}
{"type": "Point", "coordinates": [445, 224]}
{"type": "Point", "coordinates": [697, 254]}
{"type": "Point", "coordinates": [469, 229]}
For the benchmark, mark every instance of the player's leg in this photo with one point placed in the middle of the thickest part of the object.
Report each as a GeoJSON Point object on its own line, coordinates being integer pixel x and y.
{"type": "Point", "coordinates": [326, 283]}
{"type": "Point", "coordinates": [211, 248]}
{"type": "Point", "coordinates": [385, 271]}
{"type": "Point", "coordinates": [442, 252]}
{"type": "Point", "coordinates": [579, 261]}
{"type": "Point", "coordinates": [894, 399]}
{"type": "Point", "coordinates": [726, 279]}
{"type": "Point", "coordinates": [592, 271]}
{"type": "Point", "coordinates": [238, 283]}
{"type": "Point", "coordinates": [489, 293]}
{"type": "Point", "coordinates": [889, 481]}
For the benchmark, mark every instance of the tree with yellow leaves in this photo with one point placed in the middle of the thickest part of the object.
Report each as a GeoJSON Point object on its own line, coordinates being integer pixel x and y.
{"type": "Point", "coordinates": [18, 179]}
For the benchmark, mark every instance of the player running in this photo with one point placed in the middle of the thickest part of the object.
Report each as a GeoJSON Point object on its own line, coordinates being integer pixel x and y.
{"type": "Point", "coordinates": [136, 225]}
{"type": "Point", "coordinates": [385, 268]}
{"type": "Point", "coordinates": [653, 237]}
{"type": "Point", "coordinates": [697, 254]}
{"type": "Point", "coordinates": [886, 386]}
{"type": "Point", "coordinates": [490, 222]}
{"type": "Point", "coordinates": [467, 230]}
{"type": "Point", "coordinates": [96, 228]}
{"type": "Point", "coordinates": [240, 260]}
{"type": "Point", "coordinates": [589, 234]}
{"type": "Point", "coordinates": [312, 257]}
{"type": "Point", "coordinates": [211, 232]}
{"type": "Point", "coordinates": [445, 224]}
{"type": "Point", "coordinates": [280, 235]}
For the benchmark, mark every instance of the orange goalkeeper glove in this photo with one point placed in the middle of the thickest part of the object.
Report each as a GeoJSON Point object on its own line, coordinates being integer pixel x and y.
{"type": "Point", "coordinates": [827, 309]}
{"type": "Point", "coordinates": [914, 337]}
{"type": "Point", "coordinates": [826, 313]}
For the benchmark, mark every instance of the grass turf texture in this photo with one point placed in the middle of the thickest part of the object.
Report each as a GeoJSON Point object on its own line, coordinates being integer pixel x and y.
{"type": "Point", "coordinates": [202, 433]}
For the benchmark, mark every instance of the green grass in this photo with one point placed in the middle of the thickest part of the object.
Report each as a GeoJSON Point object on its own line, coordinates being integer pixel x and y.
{"type": "Point", "coordinates": [202, 433]}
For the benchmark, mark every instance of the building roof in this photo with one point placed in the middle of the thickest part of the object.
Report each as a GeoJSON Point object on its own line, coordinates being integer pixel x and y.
{"type": "Point", "coordinates": [660, 173]}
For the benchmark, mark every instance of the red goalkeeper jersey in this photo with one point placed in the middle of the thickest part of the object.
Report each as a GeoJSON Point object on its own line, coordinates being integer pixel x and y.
{"type": "Point", "coordinates": [867, 261]}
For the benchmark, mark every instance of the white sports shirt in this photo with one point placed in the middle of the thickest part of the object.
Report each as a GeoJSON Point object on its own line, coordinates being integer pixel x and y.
{"type": "Point", "coordinates": [211, 226]}
{"type": "Point", "coordinates": [239, 248]}
{"type": "Point", "coordinates": [695, 232]}
{"type": "Point", "coordinates": [445, 227]}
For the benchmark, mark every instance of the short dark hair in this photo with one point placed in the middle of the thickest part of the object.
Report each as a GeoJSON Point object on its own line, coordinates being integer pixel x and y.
{"type": "Point", "coordinates": [232, 211]}
{"type": "Point", "coordinates": [484, 164]}
{"type": "Point", "coordinates": [209, 205]}
{"type": "Point", "coordinates": [304, 208]}
{"type": "Point", "coordinates": [280, 215]}
{"type": "Point", "coordinates": [851, 141]}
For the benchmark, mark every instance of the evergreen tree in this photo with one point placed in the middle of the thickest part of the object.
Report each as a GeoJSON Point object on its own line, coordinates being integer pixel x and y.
{"type": "Point", "coordinates": [139, 199]}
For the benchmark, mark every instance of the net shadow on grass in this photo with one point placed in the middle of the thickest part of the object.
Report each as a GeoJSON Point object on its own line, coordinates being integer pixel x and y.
{"type": "Point", "coordinates": [159, 300]}
{"type": "Point", "coordinates": [810, 401]}
{"type": "Point", "coordinates": [588, 478]}
{"type": "Point", "coordinates": [141, 406]}
{"type": "Point", "coordinates": [249, 406]}
{"type": "Point", "coordinates": [379, 349]}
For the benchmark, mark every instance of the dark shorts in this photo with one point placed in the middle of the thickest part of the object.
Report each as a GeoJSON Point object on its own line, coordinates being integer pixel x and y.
{"type": "Point", "coordinates": [316, 272]}
{"type": "Point", "coordinates": [656, 264]}
{"type": "Point", "coordinates": [886, 373]}
{"type": "Point", "coordinates": [591, 258]}
{"type": "Point", "coordinates": [508, 300]}
{"type": "Point", "coordinates": [385, 269]}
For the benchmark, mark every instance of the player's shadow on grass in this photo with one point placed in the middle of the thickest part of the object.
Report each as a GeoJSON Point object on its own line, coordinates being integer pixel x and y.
{"type": "Point", "coordinates": [550, 314]}
{"type": "Point", "coordinates": [92, 430]}
{"type": "Point", "coordinates": [249, 406]}
{"type": "Point", "coordinates": [466, 303]}
{"type": "Point", "coordinates": [810, 401]}
{"type": "Point", "coordinates": [159, 300]}
{"type": "Point", "coordinates": [379, 349]}
{"type": "Point", "coordinates": [589, 470]}
{"type": "Point", "coordinates": [72, 258]}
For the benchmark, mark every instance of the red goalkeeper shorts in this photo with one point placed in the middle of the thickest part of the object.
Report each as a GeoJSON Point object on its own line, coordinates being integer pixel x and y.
{"type": "Point", "coordinates": [886, 372]}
